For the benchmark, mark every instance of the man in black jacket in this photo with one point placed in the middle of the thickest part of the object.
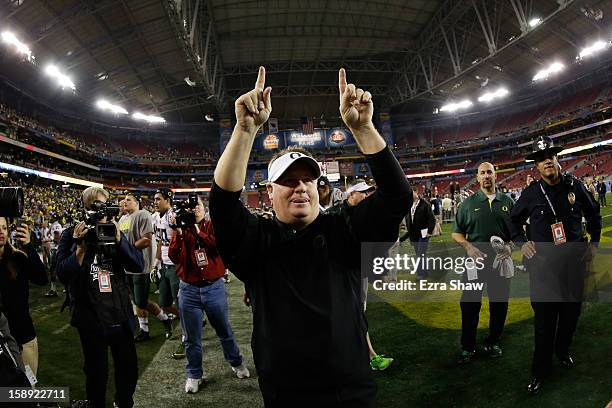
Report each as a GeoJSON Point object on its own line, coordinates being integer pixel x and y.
{"type": "Point", "coordinates": [100, 303]}
{"type": "Point", "coordinates": [420, 223]}
{"type": "Point", "coordinates": [302, 268]}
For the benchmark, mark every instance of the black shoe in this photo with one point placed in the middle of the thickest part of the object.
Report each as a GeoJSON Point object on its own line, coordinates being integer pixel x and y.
{"type": "Point", "coordinates": [566, 360]}
{"type": "Point", "coordinates": [141, 335]}
{"type": "Point", "coordinates": [168, 327]}
{"type": "Point", "coordinates": [534, 386]}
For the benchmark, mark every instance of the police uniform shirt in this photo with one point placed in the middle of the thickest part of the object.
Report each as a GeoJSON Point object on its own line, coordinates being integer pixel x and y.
{"type": "Point", "coordinates": [570, 200]}
{"type": "Point", "coordinates": [163, 235]}
{"type": "Point", "coordinates": [479, 218]}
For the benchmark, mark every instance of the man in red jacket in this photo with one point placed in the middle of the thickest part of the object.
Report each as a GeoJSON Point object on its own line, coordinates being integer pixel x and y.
{"type": "Point", "coordinates": [201, 290]}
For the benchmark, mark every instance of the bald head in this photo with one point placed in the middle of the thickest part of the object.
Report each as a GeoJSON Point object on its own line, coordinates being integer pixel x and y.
{"type": "Point", "coordinates": [486, 177]}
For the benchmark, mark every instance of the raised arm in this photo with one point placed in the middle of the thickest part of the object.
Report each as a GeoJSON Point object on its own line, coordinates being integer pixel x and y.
{"type": "Point", "coordinates": [252, 111]}
{"type": "Point", "coordinates": [356, 109]}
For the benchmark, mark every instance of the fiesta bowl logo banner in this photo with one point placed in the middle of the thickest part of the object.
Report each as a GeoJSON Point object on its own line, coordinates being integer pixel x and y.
{"type": "Point", "coordinates": [270, 142]}
{"type": "Point", "coordinates": [339, 137]}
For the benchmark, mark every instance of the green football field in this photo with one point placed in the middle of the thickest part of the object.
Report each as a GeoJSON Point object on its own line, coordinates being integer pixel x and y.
{"type": "Point", "coordinates": [422, 337]}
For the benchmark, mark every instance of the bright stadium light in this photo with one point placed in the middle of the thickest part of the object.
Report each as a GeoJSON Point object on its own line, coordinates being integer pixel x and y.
{"type": "Point", "coordinates": [148, 118]}
{"type": "Point", "coordinates": [552, 69]}
{"type": "Point", "coordinates": [592, 49]}
{"type": "Point", "coordinates": [452, 107]}
{"type": "Point", "coordinates": [489, 96]}
{"type": "Point", "coordinates": [21, 48]}
{"type": "Point", "coordinates": [534, 22]}
{"type": "Point", "coordinates": [107, 106]}
{"type": "Point", "coordinates": [63, 80]}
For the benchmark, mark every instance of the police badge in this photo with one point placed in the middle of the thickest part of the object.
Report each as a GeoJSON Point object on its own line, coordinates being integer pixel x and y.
{"type": "Point", "coordinates": [571, 197]}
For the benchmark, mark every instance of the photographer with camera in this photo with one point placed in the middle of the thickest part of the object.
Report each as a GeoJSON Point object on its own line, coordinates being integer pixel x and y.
{"type": "Point", "coordinates": [18, 267]}
{"type": "Point", "coordinates": [201, 289]}
{"type": "Point", "coordinates": [91, 261]}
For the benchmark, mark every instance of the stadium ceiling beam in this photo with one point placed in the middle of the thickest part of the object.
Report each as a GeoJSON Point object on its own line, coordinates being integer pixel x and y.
{"type": "Point", "coordinates": [311, 90]}
{"type": "Point", "coordinates": [71, 33]}
{"type": "Point", "coordinates": [440, 50]}
{"type": "Point", "coordinates": [153, 61]}
{"type": "Point", "coordinates": [69, 14]}
{"type": "Point", "coordinates": [256, 4]}
{"type": "Point", "coordinates": [351, 65]}
{"type": "Point", "coordinates": [194, 28]}
{"type": "Point", "coordinates": [307, 31]}
{"type": "Point", "coordinates": [109, 33]}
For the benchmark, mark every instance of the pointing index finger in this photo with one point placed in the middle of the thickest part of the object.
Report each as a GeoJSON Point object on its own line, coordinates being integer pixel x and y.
{"type": "Point", "coordinates": [261, 79]}
{"type": "Point", "coordinates": [341, 81]}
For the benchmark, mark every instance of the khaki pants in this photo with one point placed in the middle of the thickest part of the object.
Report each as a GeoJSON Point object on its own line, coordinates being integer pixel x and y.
{"type": "Point", "coordinates": [29, 354]}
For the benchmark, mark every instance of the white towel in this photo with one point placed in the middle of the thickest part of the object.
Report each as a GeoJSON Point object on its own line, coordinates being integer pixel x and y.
{"type": "Point", "coordinates": [503, 260]}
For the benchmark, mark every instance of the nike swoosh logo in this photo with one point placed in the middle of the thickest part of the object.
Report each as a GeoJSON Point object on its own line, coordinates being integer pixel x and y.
{"type": "Point", "coordinates": [476, 209]}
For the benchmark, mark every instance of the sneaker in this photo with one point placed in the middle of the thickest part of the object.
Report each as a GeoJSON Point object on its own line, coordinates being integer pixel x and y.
{"type": "Point", "coordinates": [466, 356]}
{"type": "Point", "coordinates": [241, 371]}
{"type": "Point", "coordinates": [168, 328]}
{"type": "Point", "coordinates": [379, 362]}
{"type": "Point", "coordinates": [141, 335]}
{"type": "Point", "coordinates": [179, 352]}
{"type": "Point", "coordinates": [492, 350]}
{"type": "Point", "coordinates": [51, 293]}
{"type": "Point", "coordinates": [193, 385]}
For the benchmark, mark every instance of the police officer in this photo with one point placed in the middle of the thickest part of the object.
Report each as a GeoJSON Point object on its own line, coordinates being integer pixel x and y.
{"type": "Point", "coordinates": [481, 216]}
{"type": "Point", "coordinates": [557, 252]}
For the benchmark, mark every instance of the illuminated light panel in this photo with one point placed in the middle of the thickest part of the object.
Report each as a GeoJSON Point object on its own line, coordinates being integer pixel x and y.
{"type": "Point", "coordinates": [21, 48]}
{"type": "Point", "coordinates": [148, 118]}
{"type": "Point", "coordinates": [451, 107]}
{"type": "Point", "coordinates": [489, 96]}
{"type": "Point", "coordinates": [50, 176]}
{"type": "Point", "coordinates": [552, 69]}
{"type": "Point", "coordinates": [594, 48]}
{"type": "Point", "coordinates": [436, 173]}
{"type": "Point", "coordinates": [191, 190]}
{"type": "Point", "coordinates": [107, 106]}
{"type": "Point", "coordinates": [63, 80]}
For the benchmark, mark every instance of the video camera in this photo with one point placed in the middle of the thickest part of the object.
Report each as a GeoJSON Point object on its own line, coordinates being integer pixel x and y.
{"type": "Point", "coordinates": [11, 202]}
{"type": "Point", "coordinates": [102, 234]}
{"type": "Point", "coordinates": [184, 211]}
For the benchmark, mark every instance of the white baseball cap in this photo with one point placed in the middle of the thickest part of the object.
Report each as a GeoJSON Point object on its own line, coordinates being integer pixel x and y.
{"type": "Point", "coordinates": [278, 167]}
{"type": "Point", "coordinates": [362, 186]}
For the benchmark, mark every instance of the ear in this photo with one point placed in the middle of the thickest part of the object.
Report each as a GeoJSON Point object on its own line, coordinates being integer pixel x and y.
{"type": "Point", "coordinates": [270, 189]}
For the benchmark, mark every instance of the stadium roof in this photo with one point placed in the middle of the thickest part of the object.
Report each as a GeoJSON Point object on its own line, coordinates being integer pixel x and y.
{"type": "Point", "coordinates": [186, 58]}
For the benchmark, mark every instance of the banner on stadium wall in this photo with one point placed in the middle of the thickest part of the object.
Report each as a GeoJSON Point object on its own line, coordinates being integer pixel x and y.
{"type": "Point", "coordinates": [337, 137]}
{"type": "Point", "coordinates": [312, 141]}
{"type": "Point", "coordinates": [385, 128]}
{"type": "Point", "coordinates": [346, 168]}
{"type": "Point", "coordinates": [225, 133]}
{"type": "Point", "coordinates": [361, 169]}
{"type": "Point", "coordinates": [269, 141]}
{"type": "Point", "coordinates": [256, 176]}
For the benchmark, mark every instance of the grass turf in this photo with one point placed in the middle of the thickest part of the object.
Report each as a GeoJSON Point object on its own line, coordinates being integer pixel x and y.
{"type": "Point", "coordinates": [422, 337]}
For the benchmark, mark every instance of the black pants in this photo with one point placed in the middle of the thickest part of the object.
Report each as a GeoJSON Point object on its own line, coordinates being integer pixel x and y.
{"type": "Point", "coordinates": [498, 289]}
{"type": "Point", "coordinates": [554, 326]}
{"type": "Point", "coordinates": [95, 345]}
{"type": "Point", "coordinates": [355, 395]}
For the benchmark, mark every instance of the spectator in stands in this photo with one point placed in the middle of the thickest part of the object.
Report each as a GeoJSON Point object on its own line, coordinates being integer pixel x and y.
{"type": "Point", "coordinates": [18, 267]}
{"type": "Point", "coordinates": [100, 304]}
